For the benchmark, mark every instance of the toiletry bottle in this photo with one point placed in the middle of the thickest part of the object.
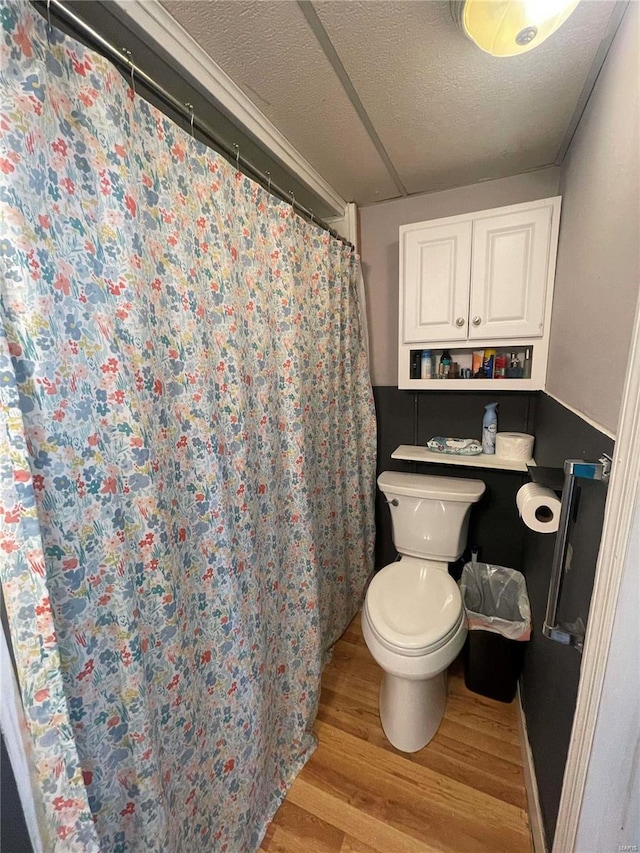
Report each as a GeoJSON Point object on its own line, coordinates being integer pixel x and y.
{"type": "Point", "coordinates": [445, 361]}
{"type": "Point", "coordinates": [489, 428]}
{"type": "Point", "coordinates": [414, 365]}
{"type": "Point", "coordinates": [526, 372]}
{"type": "Point", "coordinates": [425, 364]}
{"type": "Point", "coordinates": [500, 366]}
{"type": "Point", "coordinates": [514, 371]}
{"type": "Point", "coordinates": [477, 364]}
{"type": "Point", "coordinates": [489, 362]}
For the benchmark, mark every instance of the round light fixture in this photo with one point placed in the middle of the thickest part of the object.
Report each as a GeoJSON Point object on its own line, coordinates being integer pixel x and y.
{"type": "Point", "coordinates": [510, 27]}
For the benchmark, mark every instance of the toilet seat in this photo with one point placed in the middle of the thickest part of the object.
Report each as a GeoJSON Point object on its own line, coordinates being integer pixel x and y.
{"type": "Point", "coordinates": [413, 608]}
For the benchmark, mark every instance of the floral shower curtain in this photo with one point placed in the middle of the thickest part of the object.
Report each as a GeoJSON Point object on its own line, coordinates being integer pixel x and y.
{"type": "Point", "coordinates": [187, 456]}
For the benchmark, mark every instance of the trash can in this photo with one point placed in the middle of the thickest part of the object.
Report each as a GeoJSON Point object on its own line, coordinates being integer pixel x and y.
{"type": "Point", "coordinates": [499, 621]}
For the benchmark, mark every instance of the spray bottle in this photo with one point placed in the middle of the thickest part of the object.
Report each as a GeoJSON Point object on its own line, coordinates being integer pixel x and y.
{"type": "Point", "coordinates": [489, 428]}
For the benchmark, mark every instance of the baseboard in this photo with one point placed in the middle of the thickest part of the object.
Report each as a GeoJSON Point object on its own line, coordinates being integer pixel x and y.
{"type": "Point", "coordinates": [536, 825]}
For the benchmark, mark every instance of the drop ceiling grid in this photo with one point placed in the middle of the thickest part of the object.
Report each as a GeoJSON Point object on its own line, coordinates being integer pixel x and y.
{"type": "Point", "coordinates": [269, 51]}
{"type": "Point", "coordinates": [464, 116]}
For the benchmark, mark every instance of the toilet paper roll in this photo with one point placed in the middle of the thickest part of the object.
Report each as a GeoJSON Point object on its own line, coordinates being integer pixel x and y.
{"type": "Point", "coordinates": [514, 445]}
{"type": "Point", "coordinates": [539, 508]}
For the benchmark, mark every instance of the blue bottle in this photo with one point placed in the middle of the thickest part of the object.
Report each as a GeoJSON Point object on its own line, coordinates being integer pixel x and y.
{"type": "Point", "coordinates": [489, 428]}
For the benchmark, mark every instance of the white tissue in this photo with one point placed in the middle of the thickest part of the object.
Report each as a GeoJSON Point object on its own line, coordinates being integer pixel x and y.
{"type": "Point", "coordinates": [514, 445]}
{"type": "Point", "coordinates": [539, 508]}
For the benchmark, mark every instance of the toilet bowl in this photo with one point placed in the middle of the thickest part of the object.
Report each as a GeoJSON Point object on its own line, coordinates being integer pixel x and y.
{"type": "Point", "coordinates": [413, 619]}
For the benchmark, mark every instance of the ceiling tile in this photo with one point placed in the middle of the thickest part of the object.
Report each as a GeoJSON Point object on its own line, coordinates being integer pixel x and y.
{"type": "Point", "coordinates": [447, 113]}
{"type": "Point", "coordinates": [272, 55]}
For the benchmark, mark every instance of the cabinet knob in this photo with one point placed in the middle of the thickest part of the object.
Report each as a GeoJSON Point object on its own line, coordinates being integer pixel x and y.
{"type": "Point", "coordinates": [476, 321]}
{"type": "Point", "coordinates": [460, 321]}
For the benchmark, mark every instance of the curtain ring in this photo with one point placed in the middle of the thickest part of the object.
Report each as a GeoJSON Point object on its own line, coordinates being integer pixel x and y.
{"type": "Point", "coordinates": [191, 116]}
{"type": "Point", "coordinates": [132, 67]}
{"type": "Point", "coordinates": [293, 200]}
{"type": "Point", "coordinates": [311, 215]}
{"type": "Point", "coordinates": [237, 147]}
{"type": "Point", "coordinates": [49, 15]}
{"type": "Point", "coordinates": [268, 174]}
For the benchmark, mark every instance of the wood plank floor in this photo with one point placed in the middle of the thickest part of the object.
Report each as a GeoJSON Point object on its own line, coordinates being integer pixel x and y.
{"type": "Point", "coordinates": [463, 793]}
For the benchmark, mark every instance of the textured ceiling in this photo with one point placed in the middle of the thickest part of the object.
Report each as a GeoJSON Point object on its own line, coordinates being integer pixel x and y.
{"type": "Point", "coordinates": [441, 113]}
{"type": "Point", "coordinates": [270, 52]}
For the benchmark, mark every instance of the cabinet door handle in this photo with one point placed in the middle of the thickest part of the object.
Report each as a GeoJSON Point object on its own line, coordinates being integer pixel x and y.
{"type": "Point", "coordinates": [460, 321]}
{"type": "Point", "coordinates": [476, 321]}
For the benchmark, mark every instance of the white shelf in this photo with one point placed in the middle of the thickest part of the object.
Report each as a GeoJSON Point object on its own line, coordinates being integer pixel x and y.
{"type": "Point", "coordinates": [411, 453]}
{"type": "Point", "coordinates": [471, 385]}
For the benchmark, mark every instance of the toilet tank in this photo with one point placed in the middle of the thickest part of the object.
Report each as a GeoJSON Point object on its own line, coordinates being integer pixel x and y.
{"type": "Point", "coordinates": [430, 514]}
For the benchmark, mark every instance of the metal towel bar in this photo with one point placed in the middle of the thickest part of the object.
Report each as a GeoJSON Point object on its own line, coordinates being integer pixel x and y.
{"type": "Point", "coordinates": [569, 634]}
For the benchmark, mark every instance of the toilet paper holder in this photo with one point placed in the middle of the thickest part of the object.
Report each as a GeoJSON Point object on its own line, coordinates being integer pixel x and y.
{"type": "Point", "coordinates": [569, 634]}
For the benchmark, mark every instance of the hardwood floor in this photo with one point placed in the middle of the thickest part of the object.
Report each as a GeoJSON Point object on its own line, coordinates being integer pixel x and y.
{"type": "Point", "coordinates": [463, 793]}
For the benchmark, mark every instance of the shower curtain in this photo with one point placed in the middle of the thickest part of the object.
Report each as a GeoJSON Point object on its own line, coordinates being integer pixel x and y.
{"type": "Point", "coordinates": [187, 459]}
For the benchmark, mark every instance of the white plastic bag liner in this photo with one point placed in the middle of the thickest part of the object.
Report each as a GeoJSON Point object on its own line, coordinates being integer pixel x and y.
{"type": "Point", "coordinates": [495, 599]}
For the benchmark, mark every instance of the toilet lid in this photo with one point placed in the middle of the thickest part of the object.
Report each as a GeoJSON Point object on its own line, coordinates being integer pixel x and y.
{"type": "Point", "coordinates": [413, 607]}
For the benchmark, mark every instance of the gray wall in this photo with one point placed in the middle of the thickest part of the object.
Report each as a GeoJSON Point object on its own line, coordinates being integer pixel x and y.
{"type": "Point", "coordinates": [379, 224]}
{"type": "Point", "coordinates": [598, 268]}
{"type": "Point", "coordinates": [597, 278]}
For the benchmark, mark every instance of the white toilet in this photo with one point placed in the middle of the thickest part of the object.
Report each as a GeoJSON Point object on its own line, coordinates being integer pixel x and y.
{"type": "Point", "coordinates": [413, 618]}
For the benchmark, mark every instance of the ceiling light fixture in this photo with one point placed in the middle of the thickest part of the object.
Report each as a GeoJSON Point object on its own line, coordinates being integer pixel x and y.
{"type": "Point", "coordinates": [510, 27]}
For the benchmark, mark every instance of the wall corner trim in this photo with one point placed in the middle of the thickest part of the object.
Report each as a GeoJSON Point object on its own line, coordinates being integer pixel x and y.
{"type": "Point", "coordinates": [624, 490]}
{"type": "Point", "coordinates": [347, 224]}
{"type": "Point", "coordinates": [536, 824]}
{"type": "Point", "coordinates": [159, 26]}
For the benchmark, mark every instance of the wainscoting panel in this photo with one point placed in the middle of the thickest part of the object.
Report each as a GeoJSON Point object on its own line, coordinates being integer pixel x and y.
{"type": "Point", "coordinates": [552, 671]}
{"type": "Point", "coordinates": [413, 418]}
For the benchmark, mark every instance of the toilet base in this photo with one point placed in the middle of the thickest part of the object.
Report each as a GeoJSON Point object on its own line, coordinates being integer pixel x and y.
{"type": "Point", "coordinates": [411, 711]}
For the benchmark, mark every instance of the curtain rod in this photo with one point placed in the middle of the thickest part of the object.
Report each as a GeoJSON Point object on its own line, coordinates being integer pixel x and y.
{"type": "Point", "coordinates": [121, 59]}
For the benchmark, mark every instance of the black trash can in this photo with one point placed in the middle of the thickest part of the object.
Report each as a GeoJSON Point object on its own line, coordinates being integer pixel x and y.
{"type": "Point", "coordinates": [499, 622]}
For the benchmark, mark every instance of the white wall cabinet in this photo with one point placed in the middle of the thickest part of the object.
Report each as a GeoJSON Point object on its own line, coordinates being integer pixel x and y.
{"type": "Point", "coordinates": [482, 280]}
{"type": "Point", "coordinates": [436, 296]}
{"type": "Point", "coordinates": [509, 274]}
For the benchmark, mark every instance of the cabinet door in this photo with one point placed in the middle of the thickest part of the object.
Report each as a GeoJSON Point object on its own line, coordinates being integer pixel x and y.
{"type": "Point", "coordinates": [509, 274]}
{"type": "Point", "coordinates": [435, 263]}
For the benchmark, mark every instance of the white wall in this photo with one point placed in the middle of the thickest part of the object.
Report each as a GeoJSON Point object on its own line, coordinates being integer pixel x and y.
{"type": "Point", "coordinates": [379, 224]}
{"type": "Point", "coordinates": [610, 816]}
{"type": "Point", "coordinates": [598, 268]}
{"type": "Point", "coordinates": [347, 224]}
